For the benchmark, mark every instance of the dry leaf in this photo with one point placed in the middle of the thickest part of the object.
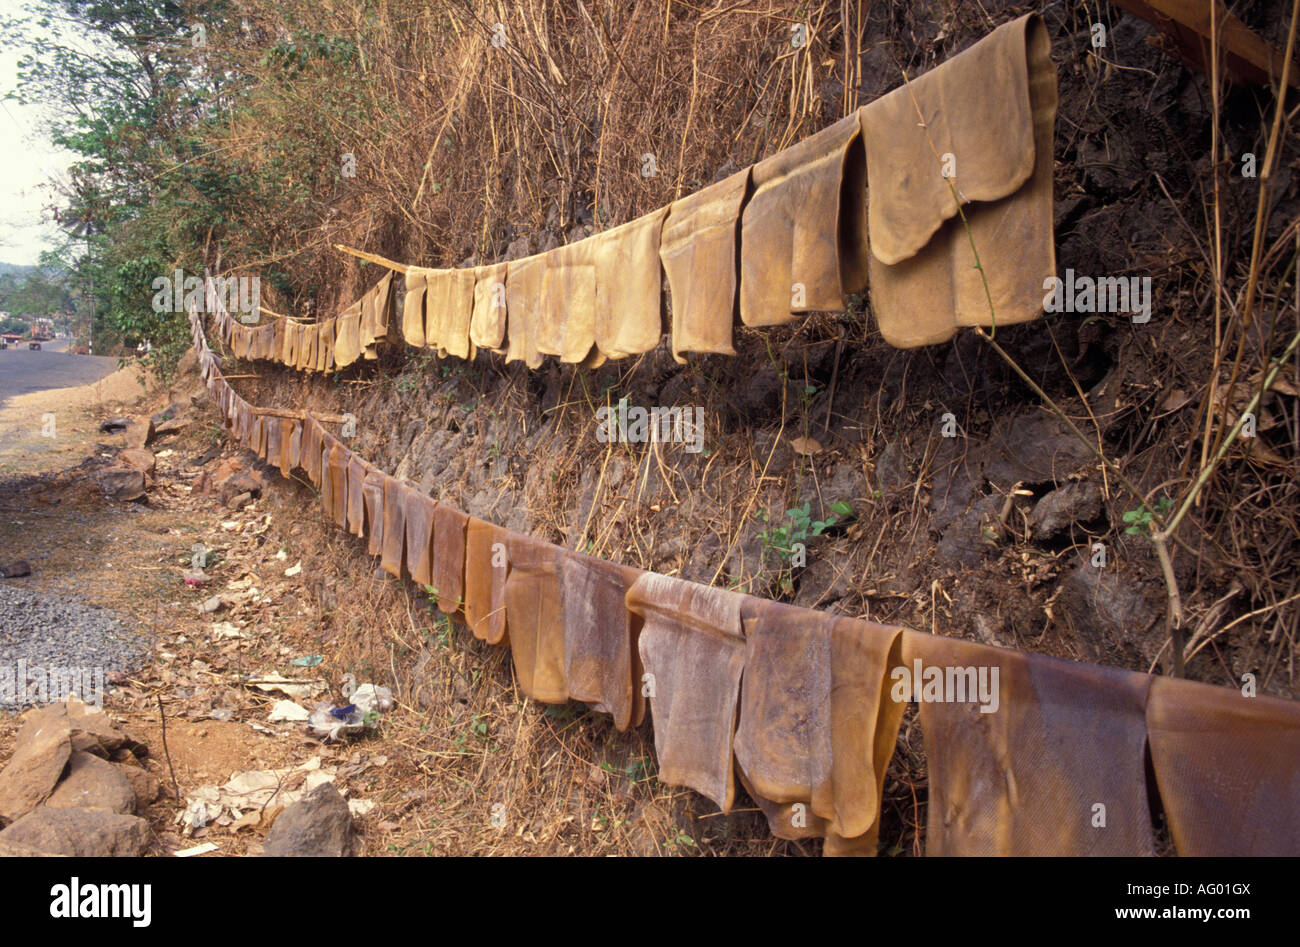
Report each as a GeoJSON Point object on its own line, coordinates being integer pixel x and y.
{"type": "Point", "coordinates": [806, 446]}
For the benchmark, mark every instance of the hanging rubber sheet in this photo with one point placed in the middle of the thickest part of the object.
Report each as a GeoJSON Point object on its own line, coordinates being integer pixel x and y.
{"type": "Point", "coordinates": [984, 118]}
{"type": "Point", "coordinates": [692, 647]}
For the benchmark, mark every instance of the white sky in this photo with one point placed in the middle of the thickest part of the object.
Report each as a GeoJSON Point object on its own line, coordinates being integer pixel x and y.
{"type": "Point", "coordinates": [28, 162]}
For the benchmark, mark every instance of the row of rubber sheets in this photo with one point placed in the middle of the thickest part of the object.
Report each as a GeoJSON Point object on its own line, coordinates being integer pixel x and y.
{"type": "Point", "coordinates": [937, 196]}
{"type": "Point", "coordinates": [333, 343]}
{"type": "Point", "coordinates": [1026, 754]}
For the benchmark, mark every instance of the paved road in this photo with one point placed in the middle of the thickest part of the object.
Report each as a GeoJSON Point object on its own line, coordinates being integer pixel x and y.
{"type": "Point", "coordinates": [23, 371]}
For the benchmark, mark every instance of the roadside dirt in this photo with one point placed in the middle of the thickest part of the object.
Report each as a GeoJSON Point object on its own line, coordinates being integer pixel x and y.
{"type": "Point", "coordinates": [463, 765]}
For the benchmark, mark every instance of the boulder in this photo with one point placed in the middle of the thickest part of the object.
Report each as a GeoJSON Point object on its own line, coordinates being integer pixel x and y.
{"type": "Point", "coordinates": [138, 458]}
{"type": "Point", "coordinates": [92, 731]}
{"type": "Point", "coordinates": [121, 483]}
{"type": "Point", "coordinates": [1108, 613]}
{"type": "Point", "coordinates": [84, 833]}
{"type": "Point", "coordinates": [39, 759]}
{"type": "Point", "coordinates": [318, 825]}
{"type": "Point", "coordinates": [93, 783]}
{"type": "Point", "coordinates": [240, 482]}
{"type": "Point", "coordinates": [1073, 503]}
{"type": "Point", "coordinates": [146, 786]}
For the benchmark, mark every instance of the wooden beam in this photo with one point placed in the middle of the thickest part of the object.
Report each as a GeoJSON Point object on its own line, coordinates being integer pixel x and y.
{"type": "Point", "coordinates": [374, 258]}
{"type": "Point", "coordinates": [1186, 24]}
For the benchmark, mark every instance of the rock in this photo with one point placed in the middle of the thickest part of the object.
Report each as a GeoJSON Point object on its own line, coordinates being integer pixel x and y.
{"type": "Point", "coordinates": [239, 502]}
{"type": "Point", "coordinates": [121, 483]}
{"type": "Point", "coordinates": [17, 850]}
{"type": "Point", "coordinates": [176, 409]}
{"type": "Point", "coordinates": [239, 482]}
{"type": "Point", "coordinates": [1073, 503]}
{"type": "Point", "coordinates": [91, 730]}
{"type": "Point", "coordinates": [39, 759]}
{"type": "Point", "coordinates": [826, 579]}
{"type": "Point", "coordinates": [139, 433]}
{"type": "Point", "coordinates": [966, 540]}
{"type": "Point", "coordinates": [1107, 612]}
{"type": "Point", "coordinates": [212, 605]}
{"type": "Point", "coordinates": [138, 458]}
{"type": "Point", "coordinates": [318, 825]}
{"type": "Point", "coordinates": [144, 784]}
{"type": "Point", "coordinates": [84, 833]}
{"type": "Point", "coordinates": [171, 427]}
{"type": "Point", "coordinates": [1037, 448]}
{"type": "Point", "coordinates": [92, 783]}
{"type": "Point", "coordinates": [12, 570]}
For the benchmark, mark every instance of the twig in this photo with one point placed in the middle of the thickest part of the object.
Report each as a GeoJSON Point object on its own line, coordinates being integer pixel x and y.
{"type": "Point", "coordinates": [162, 717]}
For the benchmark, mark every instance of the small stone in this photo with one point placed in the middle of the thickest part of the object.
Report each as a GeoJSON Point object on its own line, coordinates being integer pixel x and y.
{"type": "Point", "coordinates": [318, 825]}
{"type": "Point", "coordinates": [12, 570]}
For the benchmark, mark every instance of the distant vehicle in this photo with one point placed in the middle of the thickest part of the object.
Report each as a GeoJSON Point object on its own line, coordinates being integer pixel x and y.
{"type": "Point", "coordinates": [42, 330]}
{"type": "Point", "coordinates": [34, 346]}
{"type": "Point", "coordinates": [3, 345]}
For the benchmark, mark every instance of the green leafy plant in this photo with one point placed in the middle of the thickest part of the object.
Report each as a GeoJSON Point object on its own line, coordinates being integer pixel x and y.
{"type": "Point", "coordinates": [1139, 521]}
{"type": "Point", "coordinates": [782, 542]}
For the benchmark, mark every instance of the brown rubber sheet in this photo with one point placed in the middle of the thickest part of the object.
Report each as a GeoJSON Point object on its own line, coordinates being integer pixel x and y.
{"type": "Point", "coordinates": [449, 306]}
{"type": "Point", "coordinates": [337, 475]}
{"type": "Point", "coordinates": [487, 566]}
{"type": "Point", "coordinates": [629, 287]}
{"type": "Point", "coordinates": [803, 238]}
{"type": "Point", "coordinates": [698, 250]}
{"type": "Point", "coordinates": [449, 526]}
{"type": "Point", "coordinates": [487, 326]}
{"type": "Point", "coordinates": [307, 347]}
{"type": "Point", "coordinates": [413, 306]}
{"type": "Point", "coordinates": [817, 727]}
{"type": "Point", "coordinates": [524, 280]}
{"type": "Point", "coordinates": [601, 664]}
{"type": "Point", "coordinates": [310, 455]}
{"type": "Point", "coordinates": [358, 469]}
{"type": "Point", "coordinates": [535, 617]}
{"type": "Point", "coordinates": [1027, 778]}
{"type": "Point", "coordinates": [347, 336]}
{"type": "Point", "coordinates": [290, 445]}
{"type": "Point", "coordinates": [692, 645]}
{"type": "Point", "coordinates": [417, 518]}
{"type": "Point", "coordinates": [1227, 767]}
{"type": "Point", "coordinates": [372, 490]}
{"type": "Point", "coordinates": [568, 310]}
{"type": "Point", "coordinates": [992, 108]}
{"type": "Point", "coordinates": [394, 527]}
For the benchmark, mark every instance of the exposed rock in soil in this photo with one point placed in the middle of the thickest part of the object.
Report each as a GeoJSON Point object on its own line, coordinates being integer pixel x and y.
{"type": "Point", "coordinates": [85, 833]}
{"type": "Point", "coordinates": [319, 825]}
{"type": "Point", "coordinates": [121, 483]}
{"type": "Point", "coordinates": [92, 783]}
